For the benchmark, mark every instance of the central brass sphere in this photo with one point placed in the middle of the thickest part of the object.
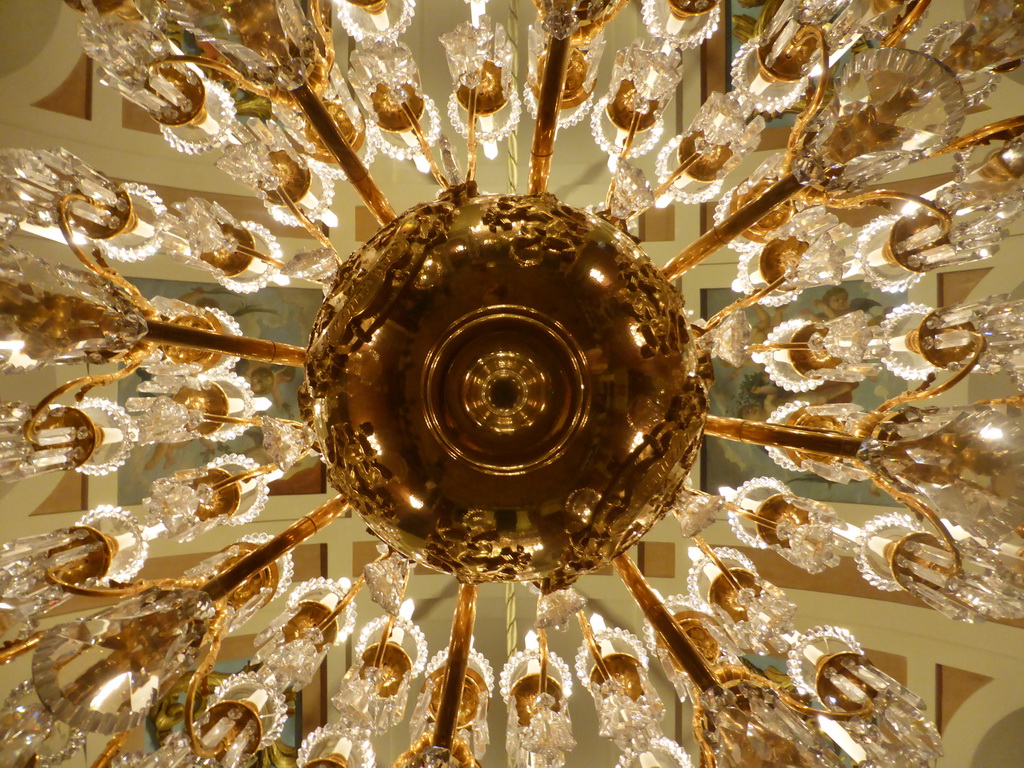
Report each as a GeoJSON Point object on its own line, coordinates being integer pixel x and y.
{"type": "Point", "coordinates": [505, 388]}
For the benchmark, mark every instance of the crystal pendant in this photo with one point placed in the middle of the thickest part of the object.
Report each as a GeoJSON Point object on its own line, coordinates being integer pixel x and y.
{"type": "Point", "coordinates": [386, 579]}
{"type": "Point", "coordinates": [632, 194]}
{"type": "Point", "coordinates": [29, 734]}
{"type": "Point", "coordinates": [963, 462]}
{"type": "Point", "coordinates": [106, 672]}
{"type": "Point", "coordinates": [287, 442]}
{"type": "Point", "coordinates": [892, 106]}
{"type": "Point", "coordinates": [51, 314]}
{"type": "Point", "coordinates": [556, 609]}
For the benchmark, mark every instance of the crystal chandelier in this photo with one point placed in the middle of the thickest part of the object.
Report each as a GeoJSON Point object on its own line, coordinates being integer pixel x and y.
{"type": "Point", "coordinates": [504, 388]}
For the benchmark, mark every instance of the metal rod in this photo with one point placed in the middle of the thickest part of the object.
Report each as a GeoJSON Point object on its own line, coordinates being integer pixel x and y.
{"type": "Point", "coordinates": [735, 225]}
{"type": "Point", "coordinates": [357, 174]}
{"type": "Point", "coordinates": [225, 582]}
{"type": "Point", "coordinates": [13, 650]}
{"type": "Point", "coordinates": [678, 644]}
{"type": "Point", "coordinates": [161, 332]}
{"type": "Point", "coordinates": [592, 646]}
{"type": "Point", "coordinates": [113, 748]}
{"type": "Point", "coordinates": [548, 105]}
{"type": "Point", "coordinates": [455, 672]}
{"type": "Point", "coordinates": [804, 439]}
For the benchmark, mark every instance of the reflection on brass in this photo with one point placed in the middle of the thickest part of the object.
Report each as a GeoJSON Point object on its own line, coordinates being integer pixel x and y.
{"type": "Point", "coordinates": [773, 511]}
{"type": "Point", "coordinates": [704, 166]}
{"type": "Point", "coordinates": [480, 368]}
{"type": "Point", "coordinates": [751, 215]}
{"type": "Point", "coordinates": [622, 113]}
{"type": "Point", "coordinates": [828, 692]}
{"type": "Point", "coordinates": [370, 6]}
{"type": "Point", "coordinates": [525, 692]}
{"type": "Point", "coordinates": [265, 556]}
{"type": "Point", "coordinates": [623, 669]}
{"type": "Point", "coordinates": [234, 260]}
{"type": "Point", "coordinates": [353, 136]}
{"type": "Point", "coordinates": [392, 116]}
{"type": "Point", "coordinates": [783, 436]}
{"type": "Point", "coordinates": [489, 94]}
{"type": "Point", "coordinates": [311, 614]}
{"type": "Point", "coordinates": [925, 338]}
{"type": "Point", "coordinates": [910, 227]}
{"type": "Point", "coordinates": [224, 501]}
{"type": "Point", "coordinates": [211, 399]}
{"type": "Point", "coordinates": [414, 756]}
{"type": "Point", "coordinates": [779, 256]}
{"type": "Point", "coordinates": [761, 230]}
{"type": "Point", "coordinates": [473, 690]}
{"type": "Point", "coordinates": [328, 761]}
{"type": "Point", "coordinates": [294, 180]}
{"type": "Point", "coordinates": [121, 216]}
{"type": "Point", "coordinates": [191, 87]}
{"type": "Point", "coordinates": [902, 573]}
{"type": "Point", "coordinates": [687, 9]}
{"type": "Point", "coordinates": [244, 714]}
{"type": "Point", "coordinates": [804, 359]}
{"type": "Point", "coordinates": [125, 8]}
{"type": "Point", "coordinates": [207, 358]}
{"type": "Point", "coordinates": [184, 334]}
{"type": "Point", "coordinates": [266, 577]}
{"type": "Point", "coordinates": [85, 438]}
{"type": "Point", "coordinates": [95, 564]}
{"type": "Point", "coordinates": [392, 661]}
{"type": "Point", "coordinates": [725, 588]}
{"type": "Point", "coordinates": [692, 625]}
{"type": "Point", "coordinates": [680, 648]}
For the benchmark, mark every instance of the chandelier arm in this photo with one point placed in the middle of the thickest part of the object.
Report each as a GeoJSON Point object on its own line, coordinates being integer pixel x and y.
{"type": "Point", "coordinates": [672, 178]}
{"type": "Point", "coordinates": [925, 391]}
{"type": "Point", "coordinates": [699, 726]}
{"type": "Point", "coordinates": [627, 146]}
{"type": "Point", "coordinates": [814, 105]}
{"type": "Point", "coordinates": [549, 100]}
{"type": "Point", "coordinates": [459, 647]}
{"type": "Point", "coordinates": [355, 171]}
{"type": "Point", "coordinates": [733, 226]}
{"type": "Point", "coordinates": [221, 68]}
{"type": "Point", "coordinates": [106, 758]}
{"type": "Point", "coordinates": [84, 384]}
{"type": "Point", "coordinates": [880, 195]}
{"type": "Point", "coordinates": [741, 303]}
{"type": "Point", "coordinates": [16, 648]}
{"type": "Point", "coordinates": [199, 677]}
{"type": "Point", "coordinates": [53, 576]}
{"type": "Point", "coordinates": [471, 140]}
{"type": "Point", "coordinates": [905, 25]}
{"type": "Point", "coordinates": [678, 644]}
{"type": "Point", "coordinates": [542, 651]}
{"type": "Point", "coordinates": [425, 149]}
{"type": "Point", "coordinates": [344, 603]}
{"type": "Point", "coordinates": [735, 675]}
{"type": "Point", "coordinates": [220, 586]}
{"type": "Point", "coordinates": [97, 263]}
{"type": "Point", "coordinates": [309, 225]}
{"type": "Point", "coordinates": [249, 474]}
{"type": "Point", "coordinates": [264, 351]}
{"type": "Point", "coordinates": [592, 646]}
{"type": "Point", "coordinates": [804, 439]}
{"type": "Point", "coordinates": [1003, 130]}
{"type": "Point", "coordinates": [318, 16]}
{"type": "Point", "coordinates": [725, 570]}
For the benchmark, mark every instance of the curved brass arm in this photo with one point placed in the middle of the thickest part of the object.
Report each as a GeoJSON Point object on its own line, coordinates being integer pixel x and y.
{"type": "Point", "coordinates": [1004, 130]}
{"type": "Point", "coordinates": [734, 675]}
{"type": "Point", "coordinates": [905, 25]}
{"type": "Point", "coordinates": [814, 105]}
{"type": "Point", "coordinates": [222, 68]}
{"type": "Point", "coordinates": [199, 677]}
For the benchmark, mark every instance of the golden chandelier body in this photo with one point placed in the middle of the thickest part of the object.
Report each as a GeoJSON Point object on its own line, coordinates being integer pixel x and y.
{"type": "Point", "coordinates": [505, 388]}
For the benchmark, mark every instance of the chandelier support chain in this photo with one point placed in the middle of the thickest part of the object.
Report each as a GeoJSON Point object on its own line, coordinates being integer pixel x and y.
{"type": "Point", "coordinates": [459, 646]}
{"type": "Point", "coordinates": [556, 63]}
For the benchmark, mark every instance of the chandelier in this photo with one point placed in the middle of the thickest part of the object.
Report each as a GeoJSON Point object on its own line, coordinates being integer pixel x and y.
{"type": "Point", "coordinates": [504, 388]}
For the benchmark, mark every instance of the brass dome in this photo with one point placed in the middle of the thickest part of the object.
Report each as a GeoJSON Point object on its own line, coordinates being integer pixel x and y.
{"type": "Point", "coordinates": [505, 388]}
